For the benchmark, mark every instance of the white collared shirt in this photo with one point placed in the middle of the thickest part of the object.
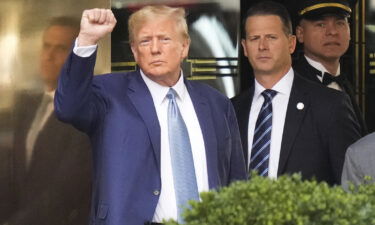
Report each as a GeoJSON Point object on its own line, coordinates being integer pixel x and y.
{"type": "Point", "coordinates": [320, 67]}
{"type": "Point", "coordinates": [166, 207]}
{"type": "Point", "coordinates": [279, 108]}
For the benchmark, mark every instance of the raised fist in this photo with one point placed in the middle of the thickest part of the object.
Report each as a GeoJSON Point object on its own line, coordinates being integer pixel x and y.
{"type": "Point", "coordinates": [95, 24]}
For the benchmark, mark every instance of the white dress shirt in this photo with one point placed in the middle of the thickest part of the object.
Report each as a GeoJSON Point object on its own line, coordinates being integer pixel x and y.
{"type": "Point", "coordinates": [166, 207]}
{"type": "Point", "coordinates": [320, 67]}
{"type": "Point", "coordinates": [279, 108]}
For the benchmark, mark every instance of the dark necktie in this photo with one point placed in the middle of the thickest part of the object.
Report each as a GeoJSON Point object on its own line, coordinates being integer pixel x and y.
{"type": "Point", "coordinates": [260, 151]}
{"type": "Point", "coordinates": [328, 79]}
{"type": "Point", "coordinates": [185, 182]}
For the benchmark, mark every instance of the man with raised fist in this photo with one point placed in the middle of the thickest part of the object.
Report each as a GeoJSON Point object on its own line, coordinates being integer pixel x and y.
{"type": "Point", "coordinates": [158, 139]}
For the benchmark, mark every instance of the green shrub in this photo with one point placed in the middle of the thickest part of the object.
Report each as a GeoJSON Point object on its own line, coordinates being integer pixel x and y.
{"type": "Point", "coordinates": [285, 201]}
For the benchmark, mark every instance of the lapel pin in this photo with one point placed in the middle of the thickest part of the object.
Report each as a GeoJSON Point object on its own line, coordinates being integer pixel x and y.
{"type": "Point", "coordinates": [300, 105]}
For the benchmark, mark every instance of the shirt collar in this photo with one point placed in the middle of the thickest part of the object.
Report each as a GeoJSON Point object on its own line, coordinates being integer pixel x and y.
{"type": "Point", "coordinates": [317, 65]}
{"type": "Point", "coordinates": [159, 92]}
{"type": "Point", "coordinates": [51, 94]}
{"type": "Point", "coordinates": [283, 86]}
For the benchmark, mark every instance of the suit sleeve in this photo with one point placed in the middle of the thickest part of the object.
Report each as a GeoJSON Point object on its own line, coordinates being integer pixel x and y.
{"type": "Point", "coordinates": [237, 167]}
{"type": "Point", "coordinates": [343, 131]}
{"type": "Point", "coordinates": [351, 174]}
{"type": "Point", "coordinates": [77, 100]}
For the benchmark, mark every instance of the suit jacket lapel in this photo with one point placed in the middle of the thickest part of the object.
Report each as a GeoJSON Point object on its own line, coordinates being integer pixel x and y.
{"type": "Point", "coordinates": [142, 101]}
{"type": "Point", "coordinates": [40, 152]}
{"type": "Point", "coordinates": [203, 111]}
{"type": "Point", "coordinates": [25, 113]}
{"type": "Point", "coordinates": [309, 71]}
{"type": "Point", "coordinates": [293, 120]}
{"type": "Point", "coordinates": [243, 113]}
{"type": "Point", "coordinates": [348, 88]}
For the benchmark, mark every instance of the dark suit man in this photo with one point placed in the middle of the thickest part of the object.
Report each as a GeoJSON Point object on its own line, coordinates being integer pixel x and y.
{"type": "Point", "coordinates": [51, 160]}
{"type": "Point", "coordinates": [307, 128]}
{"type": "Point", "coordinates": [324, 32]}
{"type": "Point", "coordinates": [135, 177]}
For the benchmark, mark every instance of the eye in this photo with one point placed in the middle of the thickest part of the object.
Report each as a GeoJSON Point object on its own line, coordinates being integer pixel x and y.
{"type": "Point", "coordinates": [319, 24]}
{"type": "Point", "coordinates": [341, 23]}
{"type": "Point", "coordinates": [165, 39]}
{"type": "Point", "coordinates": [62, 48]}
{"type": "Point", "coordinates": [271, 37]}
{"type": "Point", "coordinates": [46, 46]}
{"type": "Point", "coordinates": [144, 42]}
{"type": "Point", "coordinates": [253, 38]}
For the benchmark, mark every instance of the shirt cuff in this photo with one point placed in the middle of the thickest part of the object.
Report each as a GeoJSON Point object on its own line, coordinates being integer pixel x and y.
{"type": "Point", "coordinates": [84, 51]}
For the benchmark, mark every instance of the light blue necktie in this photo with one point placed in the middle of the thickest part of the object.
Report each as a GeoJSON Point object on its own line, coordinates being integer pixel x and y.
{"type": "Point", "coordinates": [185, 183]}
{"type": "Point", "coordinates": [260, 151]}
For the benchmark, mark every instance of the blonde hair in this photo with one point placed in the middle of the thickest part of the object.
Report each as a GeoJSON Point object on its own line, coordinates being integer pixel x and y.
{"type": "Point", "coordinates": [148, 13]}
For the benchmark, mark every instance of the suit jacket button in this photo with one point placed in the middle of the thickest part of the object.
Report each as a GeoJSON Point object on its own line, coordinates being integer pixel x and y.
{"type": "Point", "coordinates": [156, 192]}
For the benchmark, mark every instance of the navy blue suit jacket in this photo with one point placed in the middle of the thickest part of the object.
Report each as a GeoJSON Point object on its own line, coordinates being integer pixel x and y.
{"type": "Point", "coordinates": [118, 113]}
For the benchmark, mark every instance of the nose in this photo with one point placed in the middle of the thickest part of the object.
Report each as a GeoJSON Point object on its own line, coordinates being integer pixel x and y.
{"type": "Point", "coordinates": [331, 29]}
{"type": "Point", "coordinates": [48, 53]}
{"type": "Point", "coordinates": [263, 44]}
{"type": "Point", "coordinates": [155, 46]}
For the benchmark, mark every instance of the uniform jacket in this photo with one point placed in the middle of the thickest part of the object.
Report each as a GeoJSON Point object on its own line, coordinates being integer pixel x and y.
{"type": "Point", "coordinates": [309, 72]}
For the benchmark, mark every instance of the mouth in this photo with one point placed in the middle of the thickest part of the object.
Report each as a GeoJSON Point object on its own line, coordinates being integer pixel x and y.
{"type": "Point", "coordinates": [157, 62]}
{"type": "Point", "coordinates": [332, 43]}
{"type": "Point", "coordinates": [262, 58]}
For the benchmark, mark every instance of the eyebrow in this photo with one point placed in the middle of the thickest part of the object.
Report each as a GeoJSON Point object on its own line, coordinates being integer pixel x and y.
{"type": "Point", "coordinates": [256, 35]}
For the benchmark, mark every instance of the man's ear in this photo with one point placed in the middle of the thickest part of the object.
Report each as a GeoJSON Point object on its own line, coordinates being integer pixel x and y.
{"type": "Point", "coordinates": [185, 47]}
{"type": "Point", "coordinates": [299, 34]}
{"type": "Point", "coordinates": [243, 43]}
{"type": "Point", "coordinates": [292, 43]}
{"type": "Point", "coordinates": [134, 51]}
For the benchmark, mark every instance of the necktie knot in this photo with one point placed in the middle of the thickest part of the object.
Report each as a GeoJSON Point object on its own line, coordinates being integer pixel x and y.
{"type": "Point", "coordinates": [171, 95]}
{"type": "Point", "coordinates": [268, 94]}
{"type": "Point", "coordinates": [172, 108]}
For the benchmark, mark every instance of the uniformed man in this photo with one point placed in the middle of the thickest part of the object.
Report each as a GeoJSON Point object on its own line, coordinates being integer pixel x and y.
{"type": "Point", "coordinates": [324, 32]}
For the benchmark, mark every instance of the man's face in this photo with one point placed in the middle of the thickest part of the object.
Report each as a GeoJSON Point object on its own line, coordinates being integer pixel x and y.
{"type": "Point", "coordinates": [326, 39]}
{"type": "Point", "coordinates": [159, 49]}
{"type": "Point", "coordinates": [267, 46]}
{"type": "Point", "coordinates": [57, 41]}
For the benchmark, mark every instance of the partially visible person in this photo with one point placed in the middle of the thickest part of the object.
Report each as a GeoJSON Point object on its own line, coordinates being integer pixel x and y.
{"type": "Point", "coordinates": [324, 32]}
{"type": "Point", "coordinates": [158, 139]}
{"type": "Point", "coordinates": [288, 124]}
{"type": "Point", "coordinates": [51, 160]}
{"type": "Point", "coordinates": [5, 165]}
{"type": "Point", "coordinates": [359, 162]}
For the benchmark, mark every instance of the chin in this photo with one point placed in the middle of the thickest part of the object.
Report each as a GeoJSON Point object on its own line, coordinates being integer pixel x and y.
{"type": "Point", "coordinates": [333, 56]}
{"type": "Point", "coordinates": [154, 75]}
{"type": "Point", "coordinates": [50, 78]}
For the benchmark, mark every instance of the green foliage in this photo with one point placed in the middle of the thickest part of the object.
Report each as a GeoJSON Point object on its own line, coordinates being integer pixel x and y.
{"type": "Point", "coordinates": [285, 201]}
